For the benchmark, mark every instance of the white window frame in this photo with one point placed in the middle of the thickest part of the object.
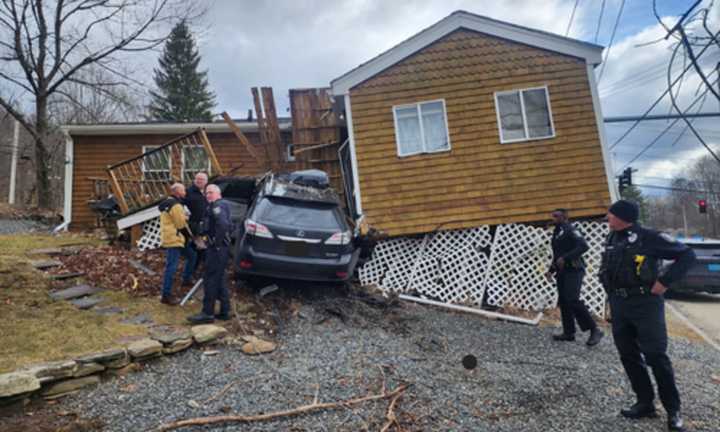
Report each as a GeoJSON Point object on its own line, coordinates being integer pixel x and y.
{"type": "Point", "coordinates": [524, 117]}
{"type": "Point", "coordinates": [147, 148]}
{"type": "Point", "coordinates": [422, 132]}
{"type": "Point", "coordinates": [207, 169]}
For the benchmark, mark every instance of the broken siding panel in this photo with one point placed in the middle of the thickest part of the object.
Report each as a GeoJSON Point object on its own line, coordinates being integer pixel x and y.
{"type": "Point", "coordinates": [480, 179]}
{"type": "Point", "coordinates": [93, 154]}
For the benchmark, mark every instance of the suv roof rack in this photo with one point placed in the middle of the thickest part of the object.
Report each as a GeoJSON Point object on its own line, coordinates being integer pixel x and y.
{"type": "Point", "coordinates": [308, 185]}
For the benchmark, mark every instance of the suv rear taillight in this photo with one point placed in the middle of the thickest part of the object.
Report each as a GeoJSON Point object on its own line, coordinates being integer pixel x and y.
{"type": "Point", "coordinates": [257, 229]}
{"type": "Point", "coordinates": [339, 238]}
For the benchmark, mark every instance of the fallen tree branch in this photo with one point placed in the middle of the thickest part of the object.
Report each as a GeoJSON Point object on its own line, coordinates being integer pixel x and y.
{"type": "Point", "coordinates": [390, 416]}
{"type": "Point", "coordinates": [200, 421]}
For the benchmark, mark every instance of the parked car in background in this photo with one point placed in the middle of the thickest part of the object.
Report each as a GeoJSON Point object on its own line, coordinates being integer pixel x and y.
{"type": "Point", "coordinates": [704, 276]}
{"type": "Point", "coordinates": [295, 229]}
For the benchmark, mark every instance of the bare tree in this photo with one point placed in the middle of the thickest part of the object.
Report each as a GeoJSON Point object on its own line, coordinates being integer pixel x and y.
{"type": "Point", "coordinates": [44, 47]}
{"type": "Point", "coordinates": [81, 104]}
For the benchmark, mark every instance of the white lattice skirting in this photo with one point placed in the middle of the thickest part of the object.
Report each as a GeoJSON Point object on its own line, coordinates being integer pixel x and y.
{"type": "Point", "coordinates": [151, 238]}
{"type": "Point", "coordinates": [469, 265]}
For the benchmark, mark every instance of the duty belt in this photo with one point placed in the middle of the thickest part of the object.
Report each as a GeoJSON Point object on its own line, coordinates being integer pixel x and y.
{"type": "Point", "coordinates": [630, 292]}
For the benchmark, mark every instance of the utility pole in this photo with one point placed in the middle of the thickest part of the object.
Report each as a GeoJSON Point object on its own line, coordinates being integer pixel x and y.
{"type": "Point", "coordinates": [13, 162]}
{"type": "Point", "coordinates": [685, 229]}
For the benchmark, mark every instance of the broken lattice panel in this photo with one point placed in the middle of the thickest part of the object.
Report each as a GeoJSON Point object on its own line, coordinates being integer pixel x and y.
{"type": "Point", "coordinates": [391, 264]}
{"type": "Point", "coordinates": [593, 293]}
{"type": "Point", "coordinates": [453, 267]}
{"type": "Point", "coordinates": [151, 238]}
{"type": "Point", "coordinates": [519, 257]}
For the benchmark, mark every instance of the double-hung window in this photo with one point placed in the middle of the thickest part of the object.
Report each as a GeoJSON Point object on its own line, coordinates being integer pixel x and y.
{"type": "Point", "coordinates": [421, 128]}
{"type": "Point", "coordinates": [156, 166]}
{"type": "Point", "coordinates": [524, 115]}
{"type": "Point", "coordinates": [194, 160]}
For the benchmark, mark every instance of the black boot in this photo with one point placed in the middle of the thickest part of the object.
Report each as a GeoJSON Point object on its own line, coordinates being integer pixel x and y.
{"type": "Point", "coordinates": [675, 422]}
{"type": "Point", "coordinates": [639, 410]}
{"type": "Point", "coordinates": [564, 337]}
{"type": "Point", "coordinates": [595, 335]}
{"type": "Point", "coordinates": [201, 318]}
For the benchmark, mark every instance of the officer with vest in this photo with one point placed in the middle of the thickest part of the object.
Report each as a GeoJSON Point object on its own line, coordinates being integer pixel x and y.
{"type": "Point", "coordinates": [630, 274]}
{"type": "Point", "coordinates": [568, 247]}
{"type": "Point", "coordinates": [218, 228]}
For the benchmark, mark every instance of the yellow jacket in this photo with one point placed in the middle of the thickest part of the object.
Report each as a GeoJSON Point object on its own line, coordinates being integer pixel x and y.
{"type": "Point", "coordinates": [172, 220]}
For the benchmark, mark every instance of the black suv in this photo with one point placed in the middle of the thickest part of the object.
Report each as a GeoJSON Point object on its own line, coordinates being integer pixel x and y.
{"type": "Point", "coordinates": [295, 229]}
{"type": "Point", "coordinates": [704, 275]}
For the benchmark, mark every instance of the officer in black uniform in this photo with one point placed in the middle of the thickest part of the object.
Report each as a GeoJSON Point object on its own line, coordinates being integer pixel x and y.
{"type": "Point", "coordinates": [635, 286]}
{"type": "Point", "coordinates": [218, 228]}
{"type": "Point", "coordinates": [568, 247]}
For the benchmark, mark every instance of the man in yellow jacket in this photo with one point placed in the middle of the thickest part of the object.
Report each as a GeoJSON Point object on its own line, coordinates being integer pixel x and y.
{"type": "Point", "coordinates": [176, 237]}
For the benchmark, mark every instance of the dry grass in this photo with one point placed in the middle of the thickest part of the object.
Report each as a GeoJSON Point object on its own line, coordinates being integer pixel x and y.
{"type": "Point", "coordinates": [37, 329]}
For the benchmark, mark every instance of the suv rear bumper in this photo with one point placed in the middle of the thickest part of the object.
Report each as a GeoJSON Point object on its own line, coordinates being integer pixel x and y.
{"type": "Point", "coordinates": [300, 268]}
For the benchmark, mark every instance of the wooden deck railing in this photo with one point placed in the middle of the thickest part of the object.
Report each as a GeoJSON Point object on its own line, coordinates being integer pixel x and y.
{"type": "Point", "coordinates": [144, 180]}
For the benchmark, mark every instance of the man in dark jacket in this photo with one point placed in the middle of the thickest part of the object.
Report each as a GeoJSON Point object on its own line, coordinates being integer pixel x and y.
{"type": "Point", "coordinates": [197, 204]}
{"type": "Point", "coordinates": [630, 274]}
{"type": "Point", "coordinates": [568, 247]}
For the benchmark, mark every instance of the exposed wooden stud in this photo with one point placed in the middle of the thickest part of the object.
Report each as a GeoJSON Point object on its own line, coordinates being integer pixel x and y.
{"type": "Point", "coordinates": [211, 153]}
{"type": "Point", "coordinates": [117, 190]}
{"type": "Point", "coordinates": [243, 139]}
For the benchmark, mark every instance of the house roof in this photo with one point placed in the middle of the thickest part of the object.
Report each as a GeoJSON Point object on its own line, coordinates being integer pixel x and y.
{"type": "Point", "coordinates": [160, 128]}
{"type": "Point", "coordinates": [591, 53]}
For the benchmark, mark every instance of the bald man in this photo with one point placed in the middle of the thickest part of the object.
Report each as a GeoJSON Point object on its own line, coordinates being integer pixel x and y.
{"type": "Point", "coordinates": [175, 235]}
{"type": "Point", "coordinates": [218, 228]}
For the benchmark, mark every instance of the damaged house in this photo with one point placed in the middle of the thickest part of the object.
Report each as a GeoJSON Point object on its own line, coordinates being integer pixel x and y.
{"type": "Point", "coordinates": [475, 121]}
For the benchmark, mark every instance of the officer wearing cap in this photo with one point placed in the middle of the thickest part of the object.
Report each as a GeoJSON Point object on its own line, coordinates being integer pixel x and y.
{"type": "Point", "coordinates": [218, 227]}
{"type": "Point", "coordinates": [630, 274]}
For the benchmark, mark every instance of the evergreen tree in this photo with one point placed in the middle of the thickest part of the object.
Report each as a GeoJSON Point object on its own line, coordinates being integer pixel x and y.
{"type": "Point", "coordinates": [183, 93]}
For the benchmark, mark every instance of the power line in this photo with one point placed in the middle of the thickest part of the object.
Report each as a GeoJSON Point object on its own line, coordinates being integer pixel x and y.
{"type": "Point", "coordinates": [674, 101]}
{"type": "Point", "coordinates": [600, 17]}
{"type": "Point", "coordinates": [572, 15]}
{"type": "Point", "coordinates": [657, 138]}
{"type": "Point", "coordinates": [671, 188]}
{"type": "Point", "coordinates": [612, 38]}
{"type": "Point", "coordinates": [621, 119]}
{"type": "Point", "coordinates": [662, 96]}
{"type": "Point", "coordinates": [675, 131]}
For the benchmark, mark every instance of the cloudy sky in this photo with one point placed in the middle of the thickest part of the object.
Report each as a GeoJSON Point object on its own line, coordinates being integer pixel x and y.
{"type": "Point", "coordinates": [307, 43]}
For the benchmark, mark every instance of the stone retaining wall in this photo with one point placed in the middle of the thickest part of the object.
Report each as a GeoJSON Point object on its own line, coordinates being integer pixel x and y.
{"type": "Point", "coordinates": [56, 379]}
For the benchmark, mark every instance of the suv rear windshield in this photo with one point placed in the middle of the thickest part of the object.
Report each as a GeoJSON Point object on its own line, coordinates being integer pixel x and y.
{"type": "Point", "coordinates": [297, 214]}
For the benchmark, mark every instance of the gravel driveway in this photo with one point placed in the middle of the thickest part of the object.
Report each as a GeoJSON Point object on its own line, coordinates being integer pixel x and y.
{"type": "Point", "coordinates": [523, 382]}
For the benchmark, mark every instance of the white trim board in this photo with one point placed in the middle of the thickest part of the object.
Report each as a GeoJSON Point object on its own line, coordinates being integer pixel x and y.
{"type": "Point", "coordinates": [160, 128]}
{"type": "Point", "coordinates": [139, 217]}
{"type": "Point", "coordinates": [353, 156]}
{"type": "Point", "coordinates": [591, 53]}
{"type": "Point", "coordinates": [68, 187]}
{"type": "Point", "coordinates": [607, 160]}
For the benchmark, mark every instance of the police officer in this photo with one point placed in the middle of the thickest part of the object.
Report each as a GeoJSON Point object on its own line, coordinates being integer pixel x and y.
{"type": "Point", "coordinates": [568, 247]}
{"type": "Point", "coordinates": [218, 228]}
{"type": "Point", "coordinates": [630, 274]}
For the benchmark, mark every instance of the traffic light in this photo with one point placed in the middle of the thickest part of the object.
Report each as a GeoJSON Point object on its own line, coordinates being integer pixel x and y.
{"type": "Point", "coordinates": [702, 206]}
{"type": "Point", "coordinates": [625, 179]}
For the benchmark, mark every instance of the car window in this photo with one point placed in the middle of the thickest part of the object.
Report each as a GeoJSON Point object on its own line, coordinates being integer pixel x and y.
{"type": "Point", "coordinates": [295, 214]}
